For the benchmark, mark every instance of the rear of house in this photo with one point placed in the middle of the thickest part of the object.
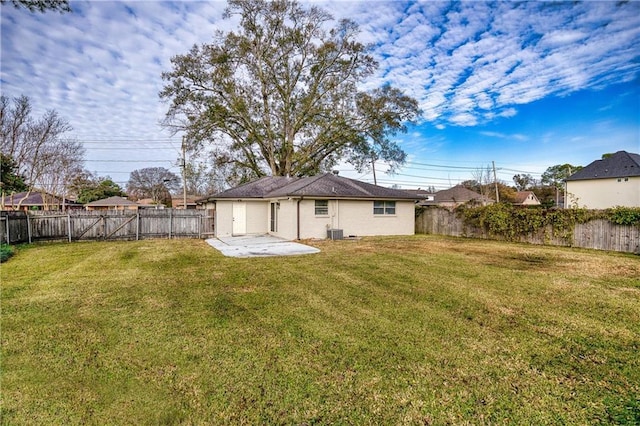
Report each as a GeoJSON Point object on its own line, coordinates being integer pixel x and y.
{"type": "Point", "coordinates": [313, 207]}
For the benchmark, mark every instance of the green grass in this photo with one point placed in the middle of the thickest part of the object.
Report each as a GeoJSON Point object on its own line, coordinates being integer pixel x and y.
{"type": "Point", "coordinates": [412, 330]}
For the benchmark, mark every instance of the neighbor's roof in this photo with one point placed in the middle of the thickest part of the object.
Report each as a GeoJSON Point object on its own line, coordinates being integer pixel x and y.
{"type": "Point", "coordinates": [620, 164]}
{"type": "Point", "coordinates": [419, 193]}
{"type": "Point", "coordinates": [521, 196]}
{"type": "Point", "coordinates": [458, 194]}
{"type": "Point", "coordinates": [32, 199]}
{"type": "Point", "coordinates": [111, 202]}
{"type": "Point", "coordinates": [326, 185]}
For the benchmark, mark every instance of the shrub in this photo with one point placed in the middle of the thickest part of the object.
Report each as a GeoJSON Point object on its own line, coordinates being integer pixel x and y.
{"type": "Point", "coordinates": [624, 215]}
{"type": "Point", "coordinates": [512, 222]}
{"type": "Point", "coordinates": [6, 251]}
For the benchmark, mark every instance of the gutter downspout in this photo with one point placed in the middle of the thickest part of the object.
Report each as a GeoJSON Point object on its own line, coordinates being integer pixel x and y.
{"type": "Point", "coordinates": [298, 217]}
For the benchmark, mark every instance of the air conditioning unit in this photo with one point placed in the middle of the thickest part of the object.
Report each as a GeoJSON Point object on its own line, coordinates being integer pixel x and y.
{"type": "Point", "coordinates": [335, 234]}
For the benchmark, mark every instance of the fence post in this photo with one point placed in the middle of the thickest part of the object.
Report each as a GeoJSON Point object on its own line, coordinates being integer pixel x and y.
{"type": "Point", "coordinates": [137, 225]}
{"type": "Point", "coordinates": [7, 224]}
{"type": "Point", "coordinates": [170, 222]}
{"type": "Point", "coordinates": [29, 228]}
{"type": "Point", "coordinates": [69, 225]}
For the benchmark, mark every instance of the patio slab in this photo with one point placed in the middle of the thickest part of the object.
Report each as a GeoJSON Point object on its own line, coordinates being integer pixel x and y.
{"type": "Point", "coordinates": [259, 246]}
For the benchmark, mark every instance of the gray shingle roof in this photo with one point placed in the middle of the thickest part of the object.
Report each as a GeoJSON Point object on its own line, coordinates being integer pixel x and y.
{"type": "Point", "coordinates": [321, 186]}
{"type": "Point", "coordinates": [111, 202]}
{"type": "Point", "coordinates": [620, 164]}
{"type": "Point", "coordinates": [458, 194]}
{"type": "Point", "coordinates": [256, 189]}
{"type": "Point", "coordinates": [33, 198]}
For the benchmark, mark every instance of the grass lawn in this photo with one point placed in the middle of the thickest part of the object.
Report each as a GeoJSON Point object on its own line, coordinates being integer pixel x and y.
{"type": "Point", "coordinates": [407, 330]}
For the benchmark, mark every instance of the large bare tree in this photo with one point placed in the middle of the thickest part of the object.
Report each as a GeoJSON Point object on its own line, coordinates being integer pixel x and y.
{"type": "Point", "coordinates": [281, 96]}
{"type": "Point", "coordinates": [156, 183]}
{"type": "Point", "coordinates": [38, 147]}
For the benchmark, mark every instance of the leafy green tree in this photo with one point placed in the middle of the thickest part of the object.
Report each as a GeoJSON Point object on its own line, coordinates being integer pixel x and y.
{"type": "Point", "coordinates": [524, 182]}
{"type": "Point", "coordinates": [281, 95]}
{"type": "Point", "coordinates": [10, 179]}
{"type": "Point", "coordinates": [507, 194]}
{"type": "Point", "coordinates": [41, 5]}
{"type": "Point", "coordinates": [555, 175]}
{"type": "Point", "coordinates": [88, 187]}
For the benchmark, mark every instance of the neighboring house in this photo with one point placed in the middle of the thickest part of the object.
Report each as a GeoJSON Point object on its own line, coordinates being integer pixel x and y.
{"type": "Point", "coordinates": [312, 207]}
{"type": "Point", "coordinates": [148, 203]}
{"type": "Point", "coordinates": [178, 202]}
{"type": "Point", "coordinates": [456, 196]}
{"type": "Point", "coordinates": [112, 203]}
{"type": "Point", "coordinates": [526, 198]}
{"type": "Point", "coordinates": [36, 200]}
{"type": "Point", "coordinates": [610, 182]}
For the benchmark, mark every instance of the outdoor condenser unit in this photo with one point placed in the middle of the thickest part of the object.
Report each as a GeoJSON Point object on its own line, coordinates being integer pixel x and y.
{"type": "Point", "coordinates": [335, 234]}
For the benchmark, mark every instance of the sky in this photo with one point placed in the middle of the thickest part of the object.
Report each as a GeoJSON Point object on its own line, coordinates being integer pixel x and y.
{"type": "Point", "coordinates": [522, 85]}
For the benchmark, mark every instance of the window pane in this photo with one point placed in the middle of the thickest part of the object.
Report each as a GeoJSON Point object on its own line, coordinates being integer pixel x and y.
{"type": "Point", "coordinates": [384, 207]}
{"type": "Point", "coordinates": [390, 207]}
{"type": "Point", "coordinates": [322, 207]}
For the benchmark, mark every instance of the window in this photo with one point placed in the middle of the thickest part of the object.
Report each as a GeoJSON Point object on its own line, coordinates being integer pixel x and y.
{"type": "Point", "coordinates": [322, 207]}
{"type": "Point", "coordinates": [384, 207]}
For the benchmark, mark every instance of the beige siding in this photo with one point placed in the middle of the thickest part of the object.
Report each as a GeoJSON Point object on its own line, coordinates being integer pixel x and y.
{"type": "Point", "coordinates": [355, 217]}
{"type": "Point", "coordinates": [603, 193]}
{"type": "Point", "coordinates": [256, 217]}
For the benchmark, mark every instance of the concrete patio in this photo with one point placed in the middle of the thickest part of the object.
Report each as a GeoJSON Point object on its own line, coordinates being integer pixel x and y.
{"type": "Point", "coordinates": [259, 246]}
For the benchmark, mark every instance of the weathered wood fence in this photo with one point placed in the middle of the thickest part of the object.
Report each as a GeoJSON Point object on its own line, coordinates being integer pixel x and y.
{"type": "Point", "coordinates": [596, 234]}
{"type": "Point", "coordinates": [21, 227]}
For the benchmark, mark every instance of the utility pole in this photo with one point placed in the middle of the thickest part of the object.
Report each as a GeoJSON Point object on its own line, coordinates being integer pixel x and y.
{"type": "Point", "coordinates": [184, 175]}
{"type": "Point", "coordinates": [495, 181]}
{"type": "Point", "coordinates": [373, 167]}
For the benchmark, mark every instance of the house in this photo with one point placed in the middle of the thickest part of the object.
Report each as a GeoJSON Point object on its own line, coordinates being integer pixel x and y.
{"type": "Point", "coordinates": [112, 203]}
{"type": "Point", "coordinates": [526, 198]}
{"type": "Point", "coordinates": [456, 196]}
{"type": "Point", "coordinates": [178, 202]}
{"type": "Point", "coordinates": [36, 200]}
{"type": "Point", "coordinates": [610, 182]}
{"type": "Point", "coordinates": [322, 206]}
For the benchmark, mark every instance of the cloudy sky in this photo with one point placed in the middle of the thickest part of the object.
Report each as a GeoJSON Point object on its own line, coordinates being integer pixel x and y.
{"type": "Point", "coordinates": [527, 85]}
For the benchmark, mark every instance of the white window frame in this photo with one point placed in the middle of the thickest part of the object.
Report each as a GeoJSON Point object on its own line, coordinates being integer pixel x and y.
{"type": "Point", "coordinates": [324, 207]}
{"type": "Point", "coordinates": [384, 208]}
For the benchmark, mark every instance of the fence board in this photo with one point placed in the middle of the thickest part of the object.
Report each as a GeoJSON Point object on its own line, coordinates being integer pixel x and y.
{"type": "Point", "coordinates": [18, 227]}
{"type": "Point", "coordinates": [596, 234]}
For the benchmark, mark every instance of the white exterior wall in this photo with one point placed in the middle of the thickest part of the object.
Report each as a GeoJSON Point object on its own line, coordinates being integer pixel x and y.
{"type": "Point", "coordinates": [256, 217]}
{"type": "Point", "coordinates": [354, 217]}
{"type": "Point", "coordinates": [603, 193]}
{"type": "Point", "coordinates": [531, 200]}
{"type": "Point", "coordinates": [287, 219]}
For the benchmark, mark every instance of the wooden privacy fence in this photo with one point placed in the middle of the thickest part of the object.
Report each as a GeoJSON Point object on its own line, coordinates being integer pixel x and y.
{"type": "Point", "coordinates": [596, 234]}
{"type": "Point", "coordinates": [21, 227]}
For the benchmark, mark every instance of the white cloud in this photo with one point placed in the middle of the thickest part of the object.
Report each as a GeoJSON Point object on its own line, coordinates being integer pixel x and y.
{"type": "Point", "coordinates": [466, 62]}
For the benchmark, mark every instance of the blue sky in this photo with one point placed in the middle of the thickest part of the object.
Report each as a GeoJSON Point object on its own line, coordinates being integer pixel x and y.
{"type": "Point", "coordinates": [527, 85]}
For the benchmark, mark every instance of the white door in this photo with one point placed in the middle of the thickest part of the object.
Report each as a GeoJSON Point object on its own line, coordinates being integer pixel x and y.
{"type": "Point", "coordinates": [239, 211]}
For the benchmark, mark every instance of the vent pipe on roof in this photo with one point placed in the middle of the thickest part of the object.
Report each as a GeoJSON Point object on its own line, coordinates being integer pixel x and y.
{"type": "Point", "coordinates": [335, 172]}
